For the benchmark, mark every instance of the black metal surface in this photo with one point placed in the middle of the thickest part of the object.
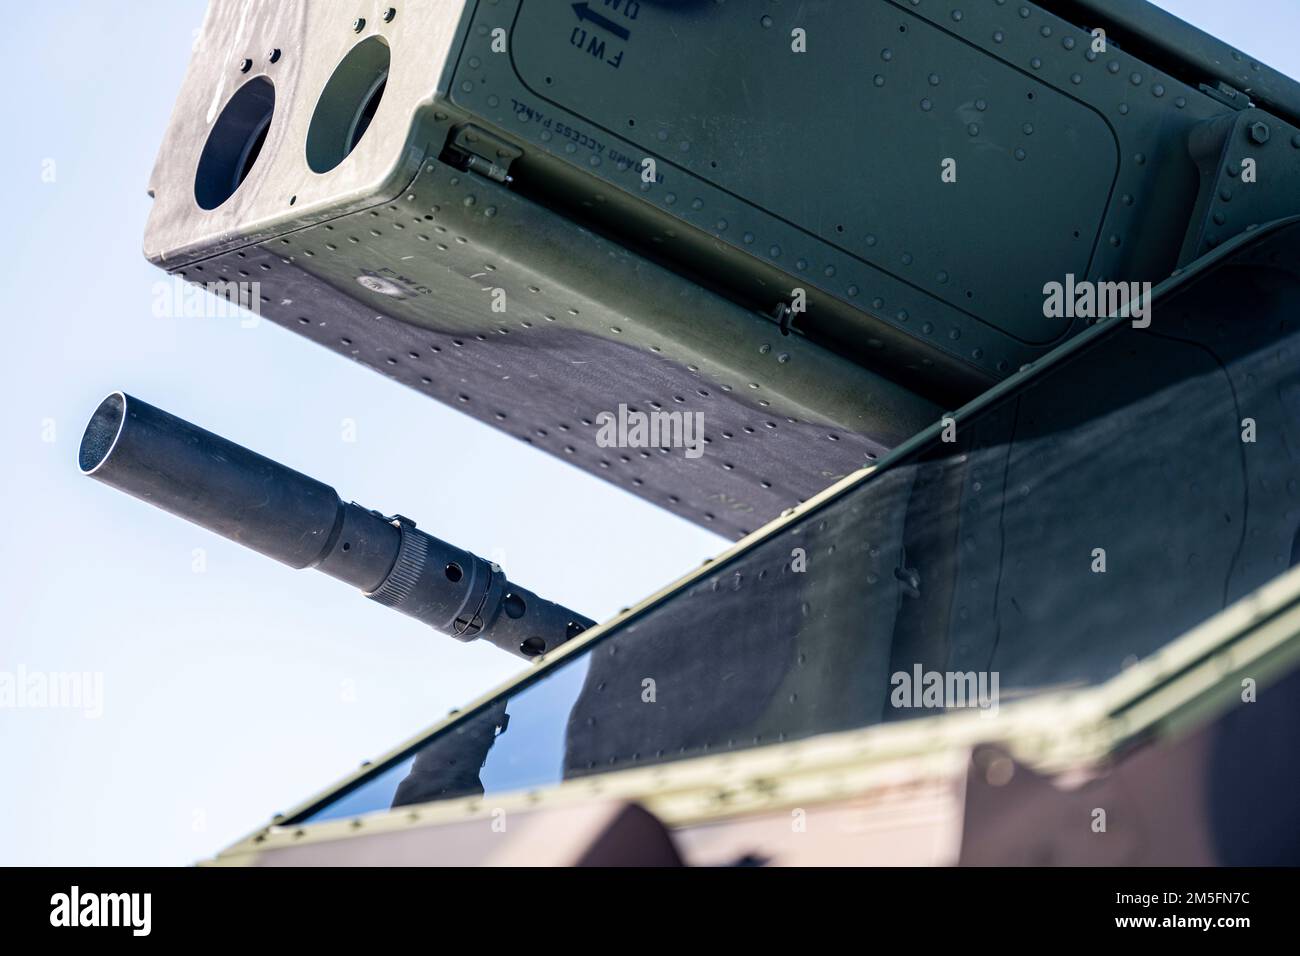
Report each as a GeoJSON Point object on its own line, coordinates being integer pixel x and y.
{"type": "Point", "coordinates": [276, 511]}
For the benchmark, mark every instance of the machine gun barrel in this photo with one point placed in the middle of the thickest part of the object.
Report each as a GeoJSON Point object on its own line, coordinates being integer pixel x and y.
{"type": "Point", "coordinates": [302, 522]}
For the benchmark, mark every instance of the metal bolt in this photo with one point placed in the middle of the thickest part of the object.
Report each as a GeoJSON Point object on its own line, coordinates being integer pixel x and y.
{"type": "Point", "coordinates": [358, 24]}
{"type": "Point", "coordinates": [1259, 133]}
{"type": "Point", "coordinates": [274, 55]}
{"type": "Point", "coordinates": [999, 771]}
{"type": "Point", "coordinates": [389, 14]}
{"type": "Point", "coordinates": [245, 65]}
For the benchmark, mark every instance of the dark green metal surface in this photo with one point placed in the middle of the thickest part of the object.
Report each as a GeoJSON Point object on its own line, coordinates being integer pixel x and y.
{"type": "Point", "coordinates": [975, 556]}
{"type": "Point", "coordinates": [777, 173]}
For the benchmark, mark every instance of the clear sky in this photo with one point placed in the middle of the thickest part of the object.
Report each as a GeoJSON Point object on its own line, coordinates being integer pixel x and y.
{"type": "Point", "coordinates": [236, 689]}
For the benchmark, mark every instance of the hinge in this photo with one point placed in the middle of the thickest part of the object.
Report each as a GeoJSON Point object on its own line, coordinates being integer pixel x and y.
{"type": "Point", "coordinates": [1228, 96]}
{"type": "Point", "coordinates": [784, 315]}
{"type": "Point", "coordinates": [477, 151]}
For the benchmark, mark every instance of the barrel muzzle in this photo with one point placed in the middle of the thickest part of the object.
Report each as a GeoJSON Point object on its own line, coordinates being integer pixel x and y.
{"type": "Point", "coordinates": [302, 522]}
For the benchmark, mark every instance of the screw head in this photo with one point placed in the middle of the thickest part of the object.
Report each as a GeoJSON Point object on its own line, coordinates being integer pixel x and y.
{"type": "Point", "coordinates": [245, 65]}
{"type": "Point", "coordinates": [1259, 133]}
{"type": "Point", "coordinates": [389, 14]}
{"type": "Point", "coordinates": [274, 55]}
{"type": "Point", "coordinates": [358, 24]}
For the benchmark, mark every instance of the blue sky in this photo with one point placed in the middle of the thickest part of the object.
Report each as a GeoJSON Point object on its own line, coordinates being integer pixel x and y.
{"type": "Point", "coordinates": [235, 692]}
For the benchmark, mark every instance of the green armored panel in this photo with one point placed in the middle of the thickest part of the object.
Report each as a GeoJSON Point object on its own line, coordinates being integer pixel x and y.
{"type": "Point", "coordinates": [1088, 514]}
{"type": "Point", "coordinates": [921, 168]}
{"type": "Point", "coordinates": [828, 165]}
{"type": "Point", "coordinates": [792, 232]}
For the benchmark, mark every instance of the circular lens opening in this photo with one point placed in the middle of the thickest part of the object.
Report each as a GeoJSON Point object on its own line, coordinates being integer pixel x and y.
{"type": "Point", "coordinates": [347, 104]}
{"type": "Point", "coordinates": [234, 143]}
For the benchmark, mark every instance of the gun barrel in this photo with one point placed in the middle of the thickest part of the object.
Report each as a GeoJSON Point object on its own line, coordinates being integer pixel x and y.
{"type": "Point", "coordinates": [302, 522]}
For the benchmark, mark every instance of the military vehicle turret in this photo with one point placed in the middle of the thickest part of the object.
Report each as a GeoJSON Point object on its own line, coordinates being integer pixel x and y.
{"type": "Point", "coordinates": [974, 323]}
